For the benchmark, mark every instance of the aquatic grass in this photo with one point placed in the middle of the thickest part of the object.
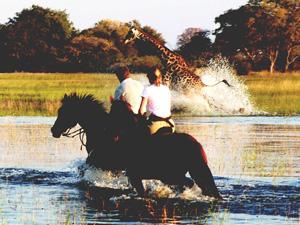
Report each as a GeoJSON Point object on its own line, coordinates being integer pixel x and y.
{"type": "Point", "coordinates": [74, 218]}
{"type": "Point", "coordinates": [256, 164]}
{"type": "Point", "coordinates": [216, 217]}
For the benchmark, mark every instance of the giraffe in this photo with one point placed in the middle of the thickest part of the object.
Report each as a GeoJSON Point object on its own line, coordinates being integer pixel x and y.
{"type": "Point", "coordinates": [178, 74]}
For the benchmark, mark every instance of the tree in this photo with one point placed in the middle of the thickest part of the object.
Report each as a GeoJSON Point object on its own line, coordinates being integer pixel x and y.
{"type": "Point", "coordinates": [102, 47]}
{"type": "Point", "coordinates": [260, 29]}
{"type": "Point", "coordinates": [291, 44]}
{"type": "Point", "coordinates": [197, 49]}
{"type": "Point", "coordinates": [232, 35]}
{"type": "Point", "coordinates": [36, 38]}
{"type": "Point", "coordinates": [112, 30]}
{"type": "Point", "coordinates": [91, 54]}
{"type": "Point", "coordinates": [186, 36]}
{"type": "Point", "coordinates": [3, 49]}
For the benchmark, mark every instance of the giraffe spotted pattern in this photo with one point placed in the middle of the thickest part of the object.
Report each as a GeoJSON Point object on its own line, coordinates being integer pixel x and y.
{"type": "Point", "coordinates": [178, 74]}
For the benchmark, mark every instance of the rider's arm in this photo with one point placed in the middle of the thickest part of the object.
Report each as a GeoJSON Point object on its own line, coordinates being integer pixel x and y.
{"type": "Point", "coordinates": [143, 106]}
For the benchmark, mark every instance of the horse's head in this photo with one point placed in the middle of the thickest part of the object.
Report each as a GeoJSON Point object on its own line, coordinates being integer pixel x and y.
{"type": "Point", "coordinates": [67, 116]}
{"type": "Point", "coordinates": [132, 34]}
{"type": "Point", "coordinates": [85, 110]}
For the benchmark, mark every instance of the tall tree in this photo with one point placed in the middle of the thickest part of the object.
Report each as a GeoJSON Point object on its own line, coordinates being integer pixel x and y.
{"type": "Point", "coordinates": [102, 47]}
{"type": "Point", "coordinates": [231, 34]}
{"type": "Point", "coordinates": [3, 50]}
{"type": "Point", "coordinates": [91, 54]}
{"type": "Point", "coordinates": [259, 29]}
{"type": "Point", "coordinates": [36, 38]}
{"type": "Point", "coordinates": [186, 36]}
{"type": "Point", "coordinates": [291, 44]}
{"type": "Point", "coordinates": [197, 49]}
{"type": "Point", "coordinates": [112, 30]}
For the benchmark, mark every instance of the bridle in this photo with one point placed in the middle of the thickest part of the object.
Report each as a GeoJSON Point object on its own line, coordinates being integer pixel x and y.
{"type": "Point", "coordinates": [79, 132]}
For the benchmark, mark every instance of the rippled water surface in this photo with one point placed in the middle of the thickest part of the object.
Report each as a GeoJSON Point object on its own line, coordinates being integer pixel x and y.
{"type": "Point", "coordinates": [255, 162]}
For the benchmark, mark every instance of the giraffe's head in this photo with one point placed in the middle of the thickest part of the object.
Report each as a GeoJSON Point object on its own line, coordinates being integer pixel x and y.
{"type": "Point", "coordinates": [132, 34]}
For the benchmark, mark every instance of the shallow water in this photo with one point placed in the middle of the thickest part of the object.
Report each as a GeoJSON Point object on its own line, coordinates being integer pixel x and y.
{"type": "Point", "coordinates": [255, 161]}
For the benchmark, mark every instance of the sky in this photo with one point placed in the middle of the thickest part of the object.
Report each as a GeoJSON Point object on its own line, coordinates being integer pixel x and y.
{"type": "Point", "coordinates": [168, 17]}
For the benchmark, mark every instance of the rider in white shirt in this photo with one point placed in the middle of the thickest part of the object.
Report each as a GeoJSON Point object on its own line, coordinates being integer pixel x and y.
{"type": "Point", "coordinates": [128, 90]}
{"type": "Point", "coordinates": [156, 100]}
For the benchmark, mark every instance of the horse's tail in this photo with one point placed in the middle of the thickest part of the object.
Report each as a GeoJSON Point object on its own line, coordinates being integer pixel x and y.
{"type": "Point", "coordinates": [221, 81]}
{"type": "Point", "coordinates": [202, 175]}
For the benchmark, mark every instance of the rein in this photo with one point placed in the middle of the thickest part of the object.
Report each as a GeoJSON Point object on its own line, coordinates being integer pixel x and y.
{"type": "Point", "coordinates": [80, 132]}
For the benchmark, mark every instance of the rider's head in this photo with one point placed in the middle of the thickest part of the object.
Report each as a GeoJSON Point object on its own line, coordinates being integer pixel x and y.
{"type": "Point", "coordinates": [154, 76]}
{"type": "Point", "coordinates": [122, 73]}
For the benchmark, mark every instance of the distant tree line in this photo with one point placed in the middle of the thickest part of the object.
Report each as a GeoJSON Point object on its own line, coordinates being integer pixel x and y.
{"type": "Point", "coordinates": [258, 36]}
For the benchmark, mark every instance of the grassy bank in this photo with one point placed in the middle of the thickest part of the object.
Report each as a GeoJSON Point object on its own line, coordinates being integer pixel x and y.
{"type": "Point", "coordinates": [40, 94]}
{"type": "Point", "coordinates": [277, 94]}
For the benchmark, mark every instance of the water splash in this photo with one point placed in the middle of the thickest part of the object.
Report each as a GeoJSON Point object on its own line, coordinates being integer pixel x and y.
{"type": "Point", "coordinates": [219, 99]}
{"type": "Point", "coordinates": [157, 189]}
{"type": "Point", "coordinates": [154, 188]}
{"type": "Point", "coordinates": [104, 179]}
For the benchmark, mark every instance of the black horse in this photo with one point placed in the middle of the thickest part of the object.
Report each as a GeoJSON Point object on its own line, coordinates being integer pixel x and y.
{"type": "Point", "coordinates": [120, 141]}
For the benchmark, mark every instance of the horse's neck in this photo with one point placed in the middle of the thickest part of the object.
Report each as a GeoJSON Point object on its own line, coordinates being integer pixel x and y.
{"type": "Point", "coordinates": [140, 128]}
{"type": "Point", "coordinates": [91, 123]}
{"type": "Point", "coordinates": [88, 124]}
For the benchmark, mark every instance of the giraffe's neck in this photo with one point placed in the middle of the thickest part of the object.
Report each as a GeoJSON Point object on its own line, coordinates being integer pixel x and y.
{"type": "Point", "coordinates": [166, 54]}
{"type": "Point", "coordinates": [175, 64]}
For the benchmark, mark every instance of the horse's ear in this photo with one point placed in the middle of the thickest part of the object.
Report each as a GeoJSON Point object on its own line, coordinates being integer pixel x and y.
{"type": "Point", "coordinates": [111, 99]}
{"type": "Point", "coordinates": [64, 98]}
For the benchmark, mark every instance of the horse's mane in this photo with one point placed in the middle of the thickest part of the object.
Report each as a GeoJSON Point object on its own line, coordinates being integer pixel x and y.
{"type": "Point", "coordinates": [75, 100]}
{"type": "Point", "coordinates": [125, 119]}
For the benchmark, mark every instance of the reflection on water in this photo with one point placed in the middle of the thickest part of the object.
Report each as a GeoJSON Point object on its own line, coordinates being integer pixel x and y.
{"type": "Point", "coordinates": [255, 163]}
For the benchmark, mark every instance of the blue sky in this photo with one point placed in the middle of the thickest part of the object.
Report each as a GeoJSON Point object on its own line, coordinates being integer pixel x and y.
{"type": "Point", "coordinates": [169, 17]}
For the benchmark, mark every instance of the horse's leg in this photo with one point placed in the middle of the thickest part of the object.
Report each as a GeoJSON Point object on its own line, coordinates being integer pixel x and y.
{"type": "Point", "coordinates": [185, 182]}
{"type": "Point", "coordinates": [91, 159]}
{"type": "Point", "coordinates": [188, 182]}
{"type": "Point", "coordinates": [180, 183]}
{"type": "Point", "coordinates": [202, 175]}
{"type": "Point", "coordinates": [136, 182]}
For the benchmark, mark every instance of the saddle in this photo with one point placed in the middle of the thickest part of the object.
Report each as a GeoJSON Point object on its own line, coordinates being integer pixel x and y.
{"type": "Point", "coordinates": [167, 127]}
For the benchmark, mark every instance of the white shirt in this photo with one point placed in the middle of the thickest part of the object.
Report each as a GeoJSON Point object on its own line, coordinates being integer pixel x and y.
{"type": "Point", "coordinates": [159, 100]}
{"type": "Point", "coordinates": [131, 90]}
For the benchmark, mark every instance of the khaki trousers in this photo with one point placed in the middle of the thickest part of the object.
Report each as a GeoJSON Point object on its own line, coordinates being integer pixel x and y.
{"type": "Point", "coordinates": [154, 126]}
